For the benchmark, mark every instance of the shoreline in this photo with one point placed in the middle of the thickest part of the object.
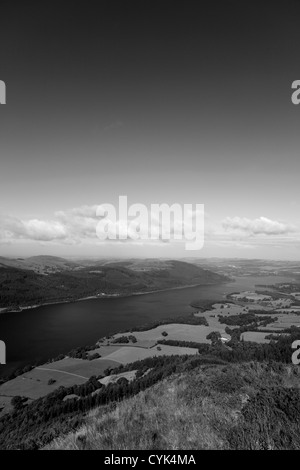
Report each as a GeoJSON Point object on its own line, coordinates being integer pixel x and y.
{"type": "Point", "coordinates": [4, 310]}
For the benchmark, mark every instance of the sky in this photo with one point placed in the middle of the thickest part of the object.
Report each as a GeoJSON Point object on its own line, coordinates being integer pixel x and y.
{"type": "Point", "coordinates": [164, 102]}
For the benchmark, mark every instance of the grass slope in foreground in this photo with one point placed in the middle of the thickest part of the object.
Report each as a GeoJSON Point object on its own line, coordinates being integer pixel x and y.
{"type": "Point", "coordinates": [235, 406]}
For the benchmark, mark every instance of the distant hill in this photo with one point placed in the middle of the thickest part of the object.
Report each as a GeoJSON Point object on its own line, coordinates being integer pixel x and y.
{"type": "Point", "coordinates": [39, 264]}
{"type": "Point", "coordinates": [48, 279]}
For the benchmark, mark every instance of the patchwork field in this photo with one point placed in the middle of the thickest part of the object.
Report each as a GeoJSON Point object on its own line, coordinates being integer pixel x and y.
{"type": "Point", "coordinates": [67, 372]}
{"type": "Point", "coordinates": [70, 371]}
{"type": "Point", "coordinates": [256, 301]}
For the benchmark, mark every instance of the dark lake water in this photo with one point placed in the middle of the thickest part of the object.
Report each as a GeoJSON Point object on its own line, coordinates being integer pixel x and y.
{"type": "Point", "coordinates": [41, 333]}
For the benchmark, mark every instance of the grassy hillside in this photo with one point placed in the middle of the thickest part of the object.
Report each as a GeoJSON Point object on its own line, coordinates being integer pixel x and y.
{"type": "Point", "coordinates": [249, 406]}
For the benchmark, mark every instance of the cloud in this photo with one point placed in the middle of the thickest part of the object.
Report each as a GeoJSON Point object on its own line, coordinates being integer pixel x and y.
{"type": "Point", "coordinates": [81, 224]}
{"type": "Point", "coordinates": [44, 230]}
{"type": "Point", "coordinates": [34, 229]}
{"type": "Point", "coordinates": [259, 226]}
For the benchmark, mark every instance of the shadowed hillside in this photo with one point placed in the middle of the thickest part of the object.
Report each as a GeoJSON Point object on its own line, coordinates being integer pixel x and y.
{"type": "Point", "coordinates": [59, 280]}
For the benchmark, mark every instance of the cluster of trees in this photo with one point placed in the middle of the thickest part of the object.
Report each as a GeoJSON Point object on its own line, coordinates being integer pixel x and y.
{"type": "Point", "coordinates": [215, 337]}
{"type": "Point", "coordinates": [125, 339]}
{"type": "Point", "coordinates": [82, 352]}
{"type": "Point", "coordinates": [184, 319]}
{"type": "Point", "coordinates": [202, 347]}
{"type": "Point", "coordinates": [91, 357]}
{"type": "Point", "coordinates": [247, 319]}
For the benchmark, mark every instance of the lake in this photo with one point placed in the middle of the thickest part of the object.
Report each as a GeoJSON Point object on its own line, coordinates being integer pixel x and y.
{"type": "Point", "coordinates": [44, 332]}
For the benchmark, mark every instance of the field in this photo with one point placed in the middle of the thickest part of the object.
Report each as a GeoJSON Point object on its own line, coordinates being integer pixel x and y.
{"type": "Point", "coordinates": [181, 332]}
{"type": "Point", "coordinates": [129, 354]}
{"type": "Point", "coordinates": [256, 301]}
{"type": "Point", "coordinates": [81, 368]}
{"type": "Point", "coordinates": [70, 371]}
{"type": "Point", "coordinates": [255, 336]}
{"type": "Point", "coordinates": [286, 316]}
{"type": "Point", "coordinates": [294, 309]}
{"type": "Point", "coordinates": [34, 384]}
{"type": "Point", "coordinates": [224, 309]}
{"type": "Point", "coordinates": [104, 350]}
{"type": "Point", "coordinates": [284, 321]}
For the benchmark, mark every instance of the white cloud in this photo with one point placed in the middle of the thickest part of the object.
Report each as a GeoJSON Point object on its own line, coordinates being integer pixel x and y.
{"type": "Point", "coordinates": [78, 225]}
{"type": "Point", "coordinates": [259, 226]}
{"type": "Point", "coordinates": [34, 229]}
{"type": "Point", "coordinates": [44, 230]}
{"type": "Point", "coordinates": [79, 222]}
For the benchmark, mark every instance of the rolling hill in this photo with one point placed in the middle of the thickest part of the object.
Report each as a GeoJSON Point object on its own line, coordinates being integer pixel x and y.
{"type": "Point", "coordinates": [39, 264]}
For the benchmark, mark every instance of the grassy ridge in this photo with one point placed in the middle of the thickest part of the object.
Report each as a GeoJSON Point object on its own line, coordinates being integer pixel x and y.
{"type": "Point", "coordinates": [254, 406]}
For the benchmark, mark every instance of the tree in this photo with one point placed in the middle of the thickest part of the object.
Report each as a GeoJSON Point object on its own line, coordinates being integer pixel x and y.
{"type": "Point", "coordinates": [17, 402]}
{"type": "Point", "coordinates": [214, 336]}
